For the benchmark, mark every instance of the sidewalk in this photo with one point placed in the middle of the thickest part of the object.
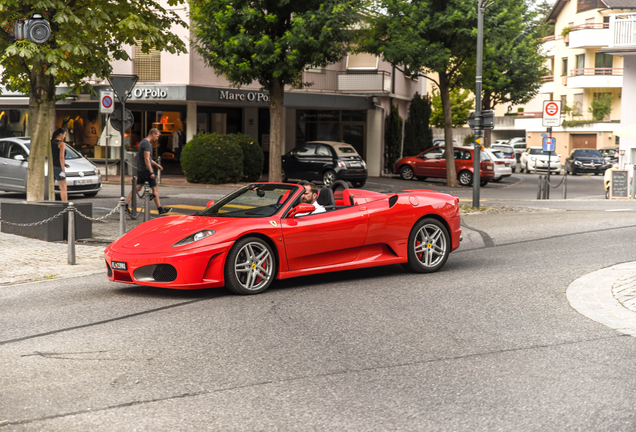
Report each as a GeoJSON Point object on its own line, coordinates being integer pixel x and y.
{"type": "Point", "coordinates": [24, 259]}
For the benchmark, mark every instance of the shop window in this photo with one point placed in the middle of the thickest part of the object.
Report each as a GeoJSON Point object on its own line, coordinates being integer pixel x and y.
{"type": "Point", "coordinates": [147, 66]}
{"type": "Point", "coordinates": [362, 62]}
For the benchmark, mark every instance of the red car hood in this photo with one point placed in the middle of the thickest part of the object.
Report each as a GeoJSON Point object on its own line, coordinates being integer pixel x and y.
{"type": "Point", "coordinates": [162, 233]}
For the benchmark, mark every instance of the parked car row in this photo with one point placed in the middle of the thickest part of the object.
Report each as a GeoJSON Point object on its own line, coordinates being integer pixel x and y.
{"type": "Point", "coordinates": [82, 177]}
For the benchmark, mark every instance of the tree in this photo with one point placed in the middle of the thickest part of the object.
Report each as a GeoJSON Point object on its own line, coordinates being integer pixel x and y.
{"type": "Point", "coordinates": [272, 42]}
{"type": "Point", "coordinates": [392, 138]}
{"type": "Point", "coordinates": [462, 104]}
{"type": "Point", "coordinates": [426, 35]}
{"type": "Point", "coordinates": [418, 135]}
{"type": "Point", "coordinates": [85, 38]}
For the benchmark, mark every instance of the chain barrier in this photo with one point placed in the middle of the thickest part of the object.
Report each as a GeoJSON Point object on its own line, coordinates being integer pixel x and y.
{"type": "Point", "coordinates": [98, 219]}
{"type": "Point", "coordinates": [66, 210]}
{"type": "Point", "coordinates": [544, 187]}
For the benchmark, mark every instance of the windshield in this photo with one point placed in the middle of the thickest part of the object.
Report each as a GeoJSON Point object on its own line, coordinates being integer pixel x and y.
{"type": "Point", "coordinates": [588, 153]}
{"type": "Point", "coordinates": [542, 152]}
{"type": "Point", "coordinates": [70, 153]}
{"type": "Point", "coordinates": [502, 148]}
{"type": "Point", "coordinates": [252, 201]}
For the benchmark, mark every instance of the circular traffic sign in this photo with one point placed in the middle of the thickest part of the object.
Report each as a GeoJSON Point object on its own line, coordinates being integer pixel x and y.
{"type": "Point", "coordinates": [107, 101]}
{"type": "Point", "coordinates": [551, 109]}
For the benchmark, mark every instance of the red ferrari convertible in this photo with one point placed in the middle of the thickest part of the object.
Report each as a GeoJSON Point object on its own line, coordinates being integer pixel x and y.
{"type": "Point", "coordinates": [252, 236]}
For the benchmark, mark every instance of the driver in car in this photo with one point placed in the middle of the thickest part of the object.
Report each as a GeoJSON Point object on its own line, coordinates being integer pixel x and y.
{"type": "Point", "coordinates": [309, 197]}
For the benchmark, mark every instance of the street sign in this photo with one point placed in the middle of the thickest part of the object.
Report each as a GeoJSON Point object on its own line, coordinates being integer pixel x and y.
{"type": "Point", "coordinates": [549, 144]}
{"type": "Point", "coordinates": [106, 102]}
{"type": "Point", "coordinates": [115, 120]}
{"type": "Point", "coordinates": [122, 85]}
{"type": "Point", "coordinates": [551, 113]}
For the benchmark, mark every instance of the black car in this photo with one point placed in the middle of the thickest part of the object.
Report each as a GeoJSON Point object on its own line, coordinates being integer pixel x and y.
{"type": "Point", "coordinates": [325, 161]}
{"type": "Point", "coordinates": [584, 160]}
{"type": "Point", "coordinates": [610, 154]}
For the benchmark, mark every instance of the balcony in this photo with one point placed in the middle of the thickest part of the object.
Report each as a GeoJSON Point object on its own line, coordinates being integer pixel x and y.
{"type": "Point", "coordinates": [548, 45]}
{"type": "Point", "coordinates": [548, 84]}
{"type": "Point", "coordinates": [332, 81]}
{"type": "Point", "coordinates": [622, 28]}
{"type": "Point", "coordinates": [590, 35]}
{"type": "Point", "coordinates": [595, 78]}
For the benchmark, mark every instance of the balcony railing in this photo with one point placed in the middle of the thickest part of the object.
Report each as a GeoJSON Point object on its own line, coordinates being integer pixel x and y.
{"type": "Point", "coordinates": [596, 71]}
{"type": "Point", "coordinates": [590, 26]}
{"type": "Point", "coordinates": [548, 38]}
{"type": "Point", "coordinates": [547, 78]}
{"type": "Point", "coordinates": [346, 81]}
{"type": "Point", "coordinates": [622, 28]}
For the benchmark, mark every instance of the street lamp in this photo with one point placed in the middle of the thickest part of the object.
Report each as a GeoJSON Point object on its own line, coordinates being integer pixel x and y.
{"type": "Point", "coordinates": [482, 6]}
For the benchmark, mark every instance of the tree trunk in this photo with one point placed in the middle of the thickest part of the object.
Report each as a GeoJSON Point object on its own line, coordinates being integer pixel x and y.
{"type": "Point", "coordinates": [444, 91]}
{"type": "Point", "coordinates": [276, 98]}
{"type": "Point", "coordinates": [42, 111]}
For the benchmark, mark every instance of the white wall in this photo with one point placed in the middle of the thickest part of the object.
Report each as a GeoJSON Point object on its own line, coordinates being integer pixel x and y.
{"type": "Point", "coordinates": [628, 108]}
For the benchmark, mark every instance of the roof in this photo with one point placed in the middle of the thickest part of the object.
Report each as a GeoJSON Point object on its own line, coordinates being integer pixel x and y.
{"type": "Point", "coordinates": [603, 4]}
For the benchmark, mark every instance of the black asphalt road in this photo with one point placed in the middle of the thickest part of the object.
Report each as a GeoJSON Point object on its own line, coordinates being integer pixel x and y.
{"type": "Point", "coordinates": [488, 343]}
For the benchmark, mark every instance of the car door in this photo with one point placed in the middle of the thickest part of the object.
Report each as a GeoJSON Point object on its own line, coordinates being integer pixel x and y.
{"type": "Point", "coordinates": [3, 164]}
{"type": "Point", "coordinates": [431, 163]}
{"type": "Point", "coordinates": [15, 169]}
{"type": "Point", "coordinates": [325, 239]}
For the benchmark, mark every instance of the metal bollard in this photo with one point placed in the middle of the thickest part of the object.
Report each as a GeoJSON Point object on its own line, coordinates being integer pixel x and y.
{"type": "Point", "coordinates": [133, 203]}
{"type": "Point", "coordinates": [147, 202]}
{"type": "Point", "coordinates": [565, 186]}
{"type": "Point", "coordinates": [71, 233]}
{"type": "Point", "coordinates": [539, 192]}
{"type": "Point", "coordinates": [159, 171]}
{"type": "Point", "coordinates": [122, 216]}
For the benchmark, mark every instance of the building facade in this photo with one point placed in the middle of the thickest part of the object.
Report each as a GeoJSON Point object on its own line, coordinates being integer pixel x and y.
{"type": "Point", "coordinates": [347, 101]}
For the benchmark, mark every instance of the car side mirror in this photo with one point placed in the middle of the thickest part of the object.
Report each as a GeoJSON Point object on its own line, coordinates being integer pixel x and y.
{"type": "Point", "coordinates": [210, 203]}
{"type": "Point", "coordinates": [19, 158]}
{"type": "Point", "coordinates": [301, 208]}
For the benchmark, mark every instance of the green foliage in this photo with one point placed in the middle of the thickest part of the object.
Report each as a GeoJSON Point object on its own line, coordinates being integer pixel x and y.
{"type": "Point", "coordinates": [513, 63]}
{"type": "Point", "coordinates": [469, 139]}
{"type": "Point", "coordinates": [392, 138]}
{"type": "Point", "coordinates": [264, 41]}
{"type": "Point", "coordinates": [601, 107]}
{"type": "Point", "coordinates": [461, 102]}
{"type": "Point", "coordinates": [212, 159]}
{"type": "Point", "coordinates": [418, 135]}
{"type": "Point", "coordinates": [541, 27]}
{"type": "Point", "coordinates": [253, 157]}
{"type": "Point", "coordinates": [85, 38]}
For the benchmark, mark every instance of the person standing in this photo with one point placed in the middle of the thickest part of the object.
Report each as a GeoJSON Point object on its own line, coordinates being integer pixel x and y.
{"type": "Point", "coordinates": [145, 173]}
{"type": "Point", "coordinates": [58, 150]}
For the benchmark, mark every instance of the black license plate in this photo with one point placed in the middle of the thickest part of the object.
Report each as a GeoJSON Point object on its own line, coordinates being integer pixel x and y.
{"type": "Point", "coordinates": [118, 265]}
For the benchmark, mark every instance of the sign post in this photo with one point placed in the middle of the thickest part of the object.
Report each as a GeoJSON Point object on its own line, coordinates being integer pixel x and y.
{"type": "Point", "coordinates": [122, 86]}
{"type": "Point", "coordinates": [106, 106]}
{"type": "Point", "coordinates": [551, 118]}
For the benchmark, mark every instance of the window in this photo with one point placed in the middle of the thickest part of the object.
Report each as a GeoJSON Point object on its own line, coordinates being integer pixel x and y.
{"type": "Point", "coordinates": [564, 101]}
{"type": "Point", "coordinates": [580, 65]}
{"type": "Point", "coordinates": [603, 64]}
{"type": "Point", "coordinates": [147, 66]}
{"type": "Point", "coordinates": [3, 149]}
{"type": "Point", "coordinates": [564, 66]}
{"type": "Point", "coordinates": [322, 150]}
{"type": "Point", "coordinates": [437, 153]}
{"type": "Point", "coordinates": [306, 150]}
{"type": "Point", "coordinates": [362, 61]}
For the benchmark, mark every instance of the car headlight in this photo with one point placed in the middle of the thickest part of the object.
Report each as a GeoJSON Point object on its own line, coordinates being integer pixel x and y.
{"type": "Point", "coordinates": [194, 237]}
{"type": "Point", "coordinates": [533, 158]}
{"type": "Point", "coordinates": [577, 162]}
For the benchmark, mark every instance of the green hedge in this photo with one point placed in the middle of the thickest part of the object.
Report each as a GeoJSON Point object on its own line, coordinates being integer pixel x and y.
{"type": "Point", "coordinates": [253, 157]}
{"type": "Point", "coordinates": [212, 159]}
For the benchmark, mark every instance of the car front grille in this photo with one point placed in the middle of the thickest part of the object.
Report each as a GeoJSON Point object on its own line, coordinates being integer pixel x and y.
{"type": "Point", "coordinates": [164, 273]}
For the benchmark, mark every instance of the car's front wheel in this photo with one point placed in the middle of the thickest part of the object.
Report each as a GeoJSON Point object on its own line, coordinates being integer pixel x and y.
{"type": "Point", "coordinates": [428, 247]}
{"type": "Point", "coordinates": [406, 172]}
{"type": "Point", "coordinates": [250, 266]}
{"type": "Point", "coordinates": [465, 178]}
{"type": "Point", "coordinates": [328, 177]}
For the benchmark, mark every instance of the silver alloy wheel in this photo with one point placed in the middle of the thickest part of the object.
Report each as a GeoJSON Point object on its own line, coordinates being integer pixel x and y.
{"type": "Point", "coordinates": [328, 177]}
{"type": "Point", "coordinates": [465, 178]}
{"type": "Point", "coordinates": [253, 266]}
{"type": "Point", "coordinates": [430, 245]}
{"type": "Point", "coordinates": [406, 172]}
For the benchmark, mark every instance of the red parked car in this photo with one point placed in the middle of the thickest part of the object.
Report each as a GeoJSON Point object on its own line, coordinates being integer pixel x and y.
{"type": "Point", "coordinates": [432, 163]}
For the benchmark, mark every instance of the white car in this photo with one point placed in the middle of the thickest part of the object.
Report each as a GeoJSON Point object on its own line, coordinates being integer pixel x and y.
{"type": "Point", "coordinates": [536, 159]}
{"type": "Point", "coordinates": [503, 165]}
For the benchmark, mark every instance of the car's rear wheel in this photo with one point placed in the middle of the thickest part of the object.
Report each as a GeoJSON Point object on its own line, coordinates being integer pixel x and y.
{"type": "Point", "coordinates": [484, 183]}
{"type": "Point", "coordinates": [283, 176]}
{"type": "Point", "coordinates": [465, 178]}
{"type": "Point", "coordinates": [250, 266]}
{"type": "Point", "coordinates": [429, 246]}
{"type": "Point", "coordinates": [328, 177]}
{"type": "Point", "coordinates": [359, 183]}
{"type": "Point", "coordinates": [406, 172]}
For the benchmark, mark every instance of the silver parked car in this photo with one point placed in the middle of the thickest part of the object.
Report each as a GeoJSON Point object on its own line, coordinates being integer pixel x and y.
{"type": "Point", "coordinates": [82, 177]}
